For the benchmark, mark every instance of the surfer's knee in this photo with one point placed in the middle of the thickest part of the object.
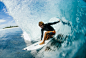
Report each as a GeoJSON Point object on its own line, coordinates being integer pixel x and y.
{"type": "Point", "coordinates": [46, 32]}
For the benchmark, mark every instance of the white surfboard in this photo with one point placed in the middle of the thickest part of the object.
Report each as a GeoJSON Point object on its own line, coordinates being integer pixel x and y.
{"type": "Point", "coordinates": [36, 45]}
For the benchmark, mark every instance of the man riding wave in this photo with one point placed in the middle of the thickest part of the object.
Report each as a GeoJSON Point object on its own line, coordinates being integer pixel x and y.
{"type": "Point", "coordinates": [50, 31]}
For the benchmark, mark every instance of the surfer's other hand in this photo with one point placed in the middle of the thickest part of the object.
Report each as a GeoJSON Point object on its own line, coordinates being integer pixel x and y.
{"type": "Point", "coordinates": [40, 40]}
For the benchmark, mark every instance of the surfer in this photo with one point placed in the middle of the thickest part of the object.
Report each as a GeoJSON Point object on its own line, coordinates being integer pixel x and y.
{"type": "Point", "coordinates": [50, 31]}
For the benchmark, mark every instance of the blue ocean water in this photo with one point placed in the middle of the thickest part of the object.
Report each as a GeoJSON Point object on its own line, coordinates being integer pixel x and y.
{"type": "Point", "coordinates": [12, 43]}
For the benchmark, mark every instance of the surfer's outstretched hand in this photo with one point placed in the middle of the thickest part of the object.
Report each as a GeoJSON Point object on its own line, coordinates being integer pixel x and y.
{"type": "Point", "coordinates": [40, 40]}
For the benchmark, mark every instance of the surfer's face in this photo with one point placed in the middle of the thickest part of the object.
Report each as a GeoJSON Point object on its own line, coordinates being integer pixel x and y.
{"type": "Point", "coordinates": [41, 26]}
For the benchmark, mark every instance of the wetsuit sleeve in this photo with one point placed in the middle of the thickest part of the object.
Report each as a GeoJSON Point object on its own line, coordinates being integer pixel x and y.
{"type": "Point", "coordinates": [41, 34]}
{"type": "Point", "coordinates": [53, 23]}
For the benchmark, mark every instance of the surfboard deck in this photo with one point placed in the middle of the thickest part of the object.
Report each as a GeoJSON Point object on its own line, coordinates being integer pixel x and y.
{"type": "Point", "coordinates": [36, 45]}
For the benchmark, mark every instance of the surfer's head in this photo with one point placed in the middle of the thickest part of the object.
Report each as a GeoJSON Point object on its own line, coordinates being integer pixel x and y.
{"type": "Point", "coordinates": [41, 24]}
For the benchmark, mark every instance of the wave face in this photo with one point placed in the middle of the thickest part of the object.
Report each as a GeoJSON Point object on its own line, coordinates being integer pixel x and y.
{"type": "Point", "coordinates": [27, 14]}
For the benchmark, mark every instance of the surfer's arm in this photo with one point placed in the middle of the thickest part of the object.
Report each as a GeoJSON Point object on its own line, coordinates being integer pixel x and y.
{"type": "Point", "coordinates": [54, 22]}
{"type": "Point", "coordinates": [41, 34]}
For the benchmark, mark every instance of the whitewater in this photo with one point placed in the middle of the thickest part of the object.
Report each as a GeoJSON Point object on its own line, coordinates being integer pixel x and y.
{"type": "Point", "coordinates": [27, 14]}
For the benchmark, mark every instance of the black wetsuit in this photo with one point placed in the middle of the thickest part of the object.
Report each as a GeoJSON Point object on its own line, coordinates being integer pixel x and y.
{"type": "Point", "coordinates": [47, 27]}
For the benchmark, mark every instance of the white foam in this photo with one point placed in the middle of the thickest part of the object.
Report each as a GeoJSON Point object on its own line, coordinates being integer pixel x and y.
{"type": "Point", "coordinates": [27, 39]}
{"type": "Point", "coordinates": [26, 36]}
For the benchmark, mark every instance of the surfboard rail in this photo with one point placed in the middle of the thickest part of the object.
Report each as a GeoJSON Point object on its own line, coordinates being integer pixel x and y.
{"type": "Point", "coordinates": [36, 45]}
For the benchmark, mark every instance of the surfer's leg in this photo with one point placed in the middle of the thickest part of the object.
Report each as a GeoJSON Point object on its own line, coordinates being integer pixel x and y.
{"type": "Point", "coordinates": [47, 36]}
{"type": "Point", "coordinates": [50, 34]}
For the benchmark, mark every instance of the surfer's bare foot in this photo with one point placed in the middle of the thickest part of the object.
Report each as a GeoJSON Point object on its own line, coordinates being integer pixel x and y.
{"type": "Point", "coordinates": [41, 43]}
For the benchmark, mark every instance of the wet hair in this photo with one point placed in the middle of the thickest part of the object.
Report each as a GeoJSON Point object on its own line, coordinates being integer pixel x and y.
{"type": "Point", "coordinates": [41, 23]}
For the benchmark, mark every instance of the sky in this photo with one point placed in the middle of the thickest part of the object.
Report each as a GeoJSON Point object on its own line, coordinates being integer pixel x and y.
{"type": "Point", "coordinates": [5, 18]}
